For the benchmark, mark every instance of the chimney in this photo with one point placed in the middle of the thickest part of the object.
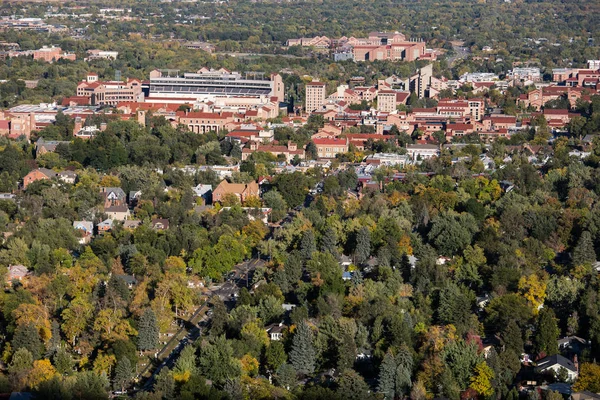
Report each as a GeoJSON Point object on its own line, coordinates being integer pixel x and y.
{"type": "Point", "coordinates": [292, 146]}
{"type": "Point", "coordinates": [78, 126]}
{"type": "Point", "coordinates": [102, 126]}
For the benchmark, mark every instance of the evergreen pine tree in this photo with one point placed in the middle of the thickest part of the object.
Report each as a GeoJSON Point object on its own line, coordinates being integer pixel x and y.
{"type": "Point", "coordinates": [63, 362]}
{"type": "Point", "coordinates": [584, 251]}
{"type": "Point", "coordinates": [512, 338]}
{"type": "Point", "coordinates": [286, 376]}
{"type": "Point", "coordinates": [346, 351]}
{"type": "Point", "coordinates": [387, 376]}
{"type": "Point", "coordinates": [303, 354]}
{"type": "Point", "coordinates": [123, 372]}
{"type": "Point", "coordinates": [363, 245]}
{"type": "Point", "coordinates": [546, 333]}
{"type": "Point", "coordinates": [219, 318]}
{"type": "Point", "coordinates": [329, 241]}
{"type": "Point", "coordinates": [27, 336]}
{"type": "Point", "coordinates": [307, 244]}
{"type": "Point", "coordinates": [148, 331]}
{"type": "Point", "coordinates": [404, 365]}
{"type": "Point", "coordinates": [165, 384]}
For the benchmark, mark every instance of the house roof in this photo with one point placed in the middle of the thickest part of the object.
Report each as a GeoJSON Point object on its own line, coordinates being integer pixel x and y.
{"type": "Point", "coordinates": [556, 359]}
{"type": "Point", "coordinates": [339, 142]}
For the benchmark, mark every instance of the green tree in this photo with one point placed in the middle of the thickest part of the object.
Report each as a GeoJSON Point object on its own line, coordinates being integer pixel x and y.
{"type": "Point", "coordinates": [308, 244]}
{"type": "Point", "coordinates": [123, 374]}
{"type": "Point", "coordinates": [546, 333]}
{"type": "Point", "coordinates": [329, 241]}
{"type": "Point", "coordinates": [165, 384]}
{"type": "Point", "coordinates": [286, 376]}
{"type": "Point", "coordinates": [352, 386]}
{"type": "Point", "coordinates": [275, 355]}
{"type": "Point", "coordinates": [275, 201]}
{"type": "Point", "coordinates": [148, 331]}
{"type": "Point", "coordinates": [217, 363]}
{"type": "Point", "coordinates": [451, 232]}
{"type": "Point", "coordinates": [63, 362]}
{"type": "Point", "coordinates": [395, 374]}
{"type": "Point", "coordinates": [303, 354]}
{"type": "Point", "coordinates": [293, 187]}
{"type": "Point", "coordinates": [584, 250]}
{"type": "Point", "coordinates": [19, 368]}
{"type": "Point", "coordinates": [90, 385]}
{"type": "Point", "coordinates": [462, 358]}
{"type": "Point", "coordinates": [363, 245]}
{"type": "Point", "coordinates": [219, 318]}
{"type": "Point", "coordinates": [27, 336]}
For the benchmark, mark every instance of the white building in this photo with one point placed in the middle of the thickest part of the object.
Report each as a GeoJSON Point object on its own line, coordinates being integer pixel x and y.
{"type": "Point", "coordinates": [593, 64]}
{"type": "Point", "coordinates": [422, 151]}
{"type": "Point", "coordinates": [532, 74]}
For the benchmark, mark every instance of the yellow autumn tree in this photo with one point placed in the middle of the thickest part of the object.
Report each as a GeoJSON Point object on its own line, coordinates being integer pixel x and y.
{"type": "Point", "coordinates": [42, 371]}
{"type": "Point", "coordinates": [112, 326]}
{"type": "Point", "coordinates": [481, 382]}
{"type": "Point", "coordinates": [534, 290]}
{"type": "Point", "coordinates": [36, 315]}
{"type": "Point", "coordinates": [249, 365]}
{"type": "Point", "coordinates": [104, 363]}
{"type": "Point", "coordinates": [110, 181]}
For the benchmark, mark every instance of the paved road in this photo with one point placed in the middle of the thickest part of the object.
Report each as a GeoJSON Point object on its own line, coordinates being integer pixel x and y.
{"type": "Point", "coordinates": [460, 53]}
{"type": "Point", "coordinates": [190, 331]}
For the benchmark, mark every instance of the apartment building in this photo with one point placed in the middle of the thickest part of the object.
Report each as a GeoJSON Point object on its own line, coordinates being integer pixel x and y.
{"type": "Point", "coordinates": [315, 96]}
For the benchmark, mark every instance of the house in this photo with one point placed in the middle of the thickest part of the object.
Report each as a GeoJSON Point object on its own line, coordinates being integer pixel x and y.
{"type": "Point", "coordinates": [571, 345]}
{"type": "Point", "coordinates": [128, 279]}
{"type": "Point", "coordinates": [115, 204]}
{"type": "Point", "coordinates": [67, 176]}
{"type": "Point", "coordinates": [134, 197]}
{"type": "Point", "coordinates": [585, 395]}
{"type": "Point", "coordinates": [131, 223]}
{"type": "Point", "coordinates": [119, 212]}
{"type": "Point", "coordinates": [38, 175]}
{"type": "Point", "coordinates": [275, 331]}
{"type": "Point", "coordinates": [8, 197]}
{"type": "Point", "coordinates": [203, 191]}
{"type": "Point", "coordinates": [241, 190]}
{"type": "Point", "coordinates": [159, 224]}
{"type": "Point", "coordinates": [112, 196]}
{"type": "Point", "coordinates": [347, 275]}
{"type": "Point", "coordinates": [105, 225]}
{"type": "Point", "coordinates": [553, 364]}
{"type": "Point", "coordinates": [86, 229]}
{"type": "Point", "coordinates": [345, 261]}
{"type": "Point", "coordinates": [47, 146]}
{"type": "Point", "coordinates": [17, 272]}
